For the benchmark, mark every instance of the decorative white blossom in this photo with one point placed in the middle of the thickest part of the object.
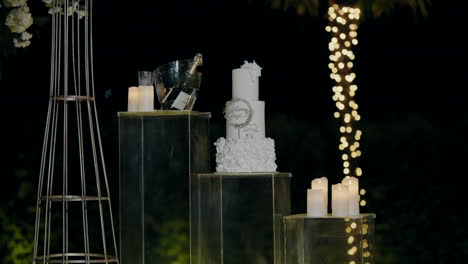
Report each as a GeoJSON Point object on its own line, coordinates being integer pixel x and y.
{"type": "Point", "coordinates": [72, 8]}
{"type": "Point", "coordinates": [81, 13]}
{"type": "Point", "coordinates": [19, 43]}
{"type": "Point", "coordinates": [54, 10]}
{"type": "Point", "coordinates": [19, 19]}
{"type": "Point", "coordinates": [14, 3]}
{"type": "Point", "coordinates": [26, 35]}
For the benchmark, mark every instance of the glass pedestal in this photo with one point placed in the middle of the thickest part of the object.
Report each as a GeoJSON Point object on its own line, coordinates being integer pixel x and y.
{"type": "Point", "coordinates": [159, 153]}
{"type": "Point", "coordinates": [241, 217]}
{"type": "Point", "coordinates": [329, 240]}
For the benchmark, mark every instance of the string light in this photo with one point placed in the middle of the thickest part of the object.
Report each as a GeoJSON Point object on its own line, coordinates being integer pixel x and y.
{"type": "Point", "coordinates": [343, 29]}
{"type": "Point", "coordinates": [359, 173]}
{"type": "Point", "coordinates": [352, 251]}
{"type": "Point", "coordinates": [365, 244]}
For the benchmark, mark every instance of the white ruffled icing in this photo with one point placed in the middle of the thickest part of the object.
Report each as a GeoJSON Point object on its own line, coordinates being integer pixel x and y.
{"type": "Point", "coordinates": [245, 155]}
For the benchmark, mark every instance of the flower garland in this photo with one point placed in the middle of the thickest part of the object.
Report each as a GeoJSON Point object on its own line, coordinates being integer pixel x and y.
{"type": "Point", "coordinates": [19, 19]}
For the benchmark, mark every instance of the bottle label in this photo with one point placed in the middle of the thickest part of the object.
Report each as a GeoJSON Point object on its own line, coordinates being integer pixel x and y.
{"type": "Point", "coordinates": [181, 101]}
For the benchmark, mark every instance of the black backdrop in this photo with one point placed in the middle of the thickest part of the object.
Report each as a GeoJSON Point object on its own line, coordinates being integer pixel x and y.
{"type": "Point", "coordinates": [412, 99]}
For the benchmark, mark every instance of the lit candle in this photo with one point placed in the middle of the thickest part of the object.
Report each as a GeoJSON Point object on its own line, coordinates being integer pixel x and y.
{"type": "Point", "coordinates": [353, 192]}
{"type": "Point", "coordinates": [146, 98]}
{"type": "Point", "coordinates": [339, 200]}
{"type": "Point", "coordinates": [133, 99]}
{"type": "Point", "coordinates": [322, 184]}
{"type": "Point", "coordinates": [315, 203]}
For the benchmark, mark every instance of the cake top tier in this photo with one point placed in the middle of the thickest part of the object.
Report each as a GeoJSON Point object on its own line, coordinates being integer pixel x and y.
{"type": "Point", "coordinates": [245, 81]}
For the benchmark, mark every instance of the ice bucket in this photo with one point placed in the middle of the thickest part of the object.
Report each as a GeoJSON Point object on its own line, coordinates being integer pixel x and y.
{"type": "Point", "coordinates": [165, 79]}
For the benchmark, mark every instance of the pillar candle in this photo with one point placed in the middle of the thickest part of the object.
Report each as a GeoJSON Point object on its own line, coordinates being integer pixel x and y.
{"type": "Point", "coordinates": [339, 200]}
{"type": "Point", "coordinates": [146, 98]}
{"type": "Point", "coordinates": [315, 203]}
{"type": "Point", "coordinates": [322, 184]}
{"type": "Point", "coordinates": [353, 192]}
{"type": "Point", "coordinates": [133, 99]}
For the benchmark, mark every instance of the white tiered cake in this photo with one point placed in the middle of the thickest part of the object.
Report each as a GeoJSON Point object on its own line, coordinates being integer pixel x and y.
{"type": "Point", "coordinates": [245, 148]}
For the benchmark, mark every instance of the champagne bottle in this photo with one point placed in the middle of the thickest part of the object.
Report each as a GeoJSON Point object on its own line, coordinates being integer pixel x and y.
{"type": "Point", "coordinates": [188, 85]}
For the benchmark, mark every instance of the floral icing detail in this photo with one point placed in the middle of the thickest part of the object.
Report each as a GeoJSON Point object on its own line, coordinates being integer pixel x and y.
{"type": "Point", "coordinates": [245, 155]}
{"type": "Point", "coordinates": [254, 72]}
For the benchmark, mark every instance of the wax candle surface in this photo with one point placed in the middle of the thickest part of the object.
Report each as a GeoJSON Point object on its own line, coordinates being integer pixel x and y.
{"type": "Point", "coordinates": [133, 99]}
{"type": "Point", "coordinates": [339, 200]}
{"type": "Point", "coordinates": [322, 184]}
{"type": "Point", "coordinates": [146, 98]}
{"type": "Point", "coordinates": [315, 203]}
{"type": "Point", "coordinates": [353, 192]}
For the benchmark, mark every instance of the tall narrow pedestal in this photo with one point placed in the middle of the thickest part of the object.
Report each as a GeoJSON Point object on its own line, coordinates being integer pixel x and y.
{"type": "Point", "coordinates": [241, 217]}
{"type": "Point", "coordinates": [159, 152]}
{"type": "Point", "coordinates": [329, 240]}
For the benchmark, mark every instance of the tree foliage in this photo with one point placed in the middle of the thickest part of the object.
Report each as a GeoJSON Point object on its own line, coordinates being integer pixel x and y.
{"type": "Point", "coordinates": [369, 8]}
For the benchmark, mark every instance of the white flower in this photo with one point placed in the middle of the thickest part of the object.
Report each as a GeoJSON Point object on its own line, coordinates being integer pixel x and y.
{"type": "Point", "coordinates": [19, 19]}
{"type": "Point", "coordinates": [48, 3]}
{"type": "Point", "coordinates": [54, 10]}
{"type": "Point", "coordinates": [20, 43]}
{"type": "Point", "coordinates": [81, 13]}
{"type": "Point", "coordinates": [72, 9]}
{"type": "Point", "coordinates": [14, 3]}
{"type": "Point", "coordinates": [26, 35]}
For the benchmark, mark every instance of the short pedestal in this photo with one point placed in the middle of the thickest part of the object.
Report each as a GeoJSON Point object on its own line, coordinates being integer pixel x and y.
{"type": "Point", "coordinates": [329, 240]}
{"type": "Point", "coordinates": [159, 152]}
{"type": "Point", "coordinates": [241, 217]}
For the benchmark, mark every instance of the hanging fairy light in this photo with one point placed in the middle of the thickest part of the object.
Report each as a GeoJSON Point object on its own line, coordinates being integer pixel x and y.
{"type": "Point", "coordinates": [343, 25]}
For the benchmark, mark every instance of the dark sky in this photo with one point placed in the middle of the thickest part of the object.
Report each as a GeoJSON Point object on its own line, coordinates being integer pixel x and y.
{"type": "Point", "coordinates": [404, 64]}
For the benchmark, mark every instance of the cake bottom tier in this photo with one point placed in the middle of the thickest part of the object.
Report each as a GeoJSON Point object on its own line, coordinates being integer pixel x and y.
{"type": "Point", "coordinates": [245, 155]}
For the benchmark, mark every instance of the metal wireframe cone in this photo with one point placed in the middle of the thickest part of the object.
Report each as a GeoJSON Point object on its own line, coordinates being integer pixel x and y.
{"type": "Point", "coordinates": [74, 222]}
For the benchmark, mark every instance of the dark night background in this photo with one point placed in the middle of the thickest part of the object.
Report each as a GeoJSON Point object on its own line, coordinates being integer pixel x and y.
{"type": "Point", "coordinates": [410, 71]}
